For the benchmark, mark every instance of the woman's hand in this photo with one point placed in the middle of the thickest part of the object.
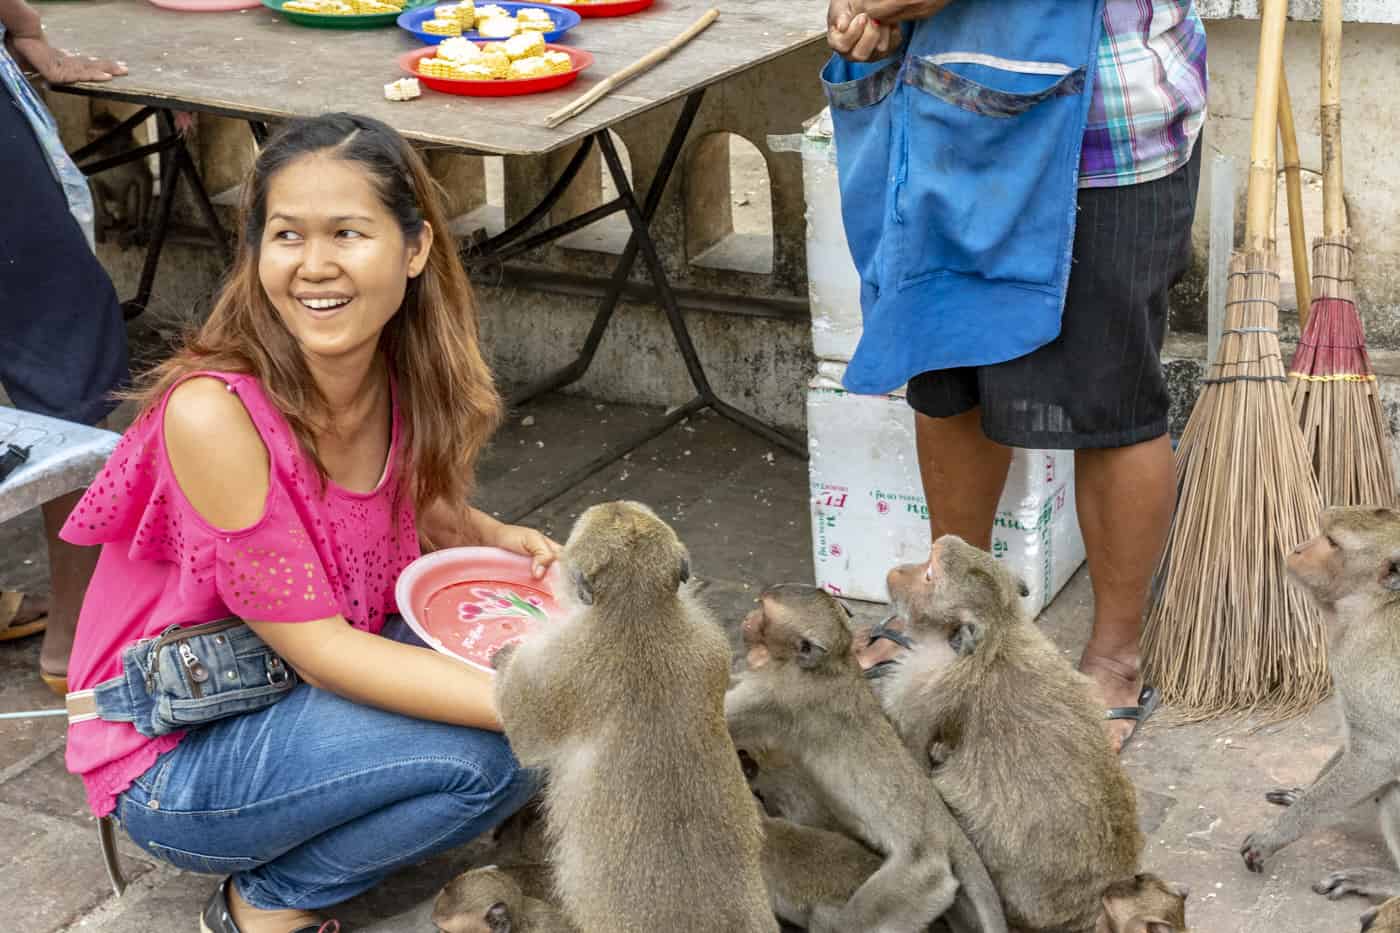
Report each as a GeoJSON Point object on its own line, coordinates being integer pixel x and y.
{"type": "Point", "coordinates": [521, 540]}
{"type": "Point", "coordinates": [58, 66]}
{"type": "Point", "coordinates": [857, 36]}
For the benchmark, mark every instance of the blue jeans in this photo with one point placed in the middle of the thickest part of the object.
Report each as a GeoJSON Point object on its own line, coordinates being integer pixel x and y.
{"type": "Point", "coordinates": [316, 799]}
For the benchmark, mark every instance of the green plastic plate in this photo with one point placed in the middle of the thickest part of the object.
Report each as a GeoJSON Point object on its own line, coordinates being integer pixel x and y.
{"type": "Point", "coordinates": [327, 21]}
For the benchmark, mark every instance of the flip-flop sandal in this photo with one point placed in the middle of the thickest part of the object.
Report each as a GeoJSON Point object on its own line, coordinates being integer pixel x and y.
{"type": "Point", "coordinates": [1148, 701]}
{"type": "Point", "coordinates": [10, 602]}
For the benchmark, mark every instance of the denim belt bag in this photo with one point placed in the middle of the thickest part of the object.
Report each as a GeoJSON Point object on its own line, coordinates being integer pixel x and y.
{"type": "Point", "coordinates": [958, 165]}
{"type": "Point", "coordinates": [188, 676]}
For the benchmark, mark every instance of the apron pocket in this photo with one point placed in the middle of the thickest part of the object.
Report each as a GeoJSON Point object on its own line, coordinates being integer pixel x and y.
{"type": "Point", "coordinates": [860, 98]}
{"type": "Point", "coordinates": [993, 167]}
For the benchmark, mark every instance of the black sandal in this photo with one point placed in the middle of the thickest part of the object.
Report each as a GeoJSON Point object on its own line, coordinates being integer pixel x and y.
{"type": "Point", "coordinates": [1148, 701]}
{"type": "Point", "coordinates": [216, 917]}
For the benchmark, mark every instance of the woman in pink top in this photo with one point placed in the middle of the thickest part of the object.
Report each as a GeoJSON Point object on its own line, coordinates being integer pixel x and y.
{"type": "Point", "coordinates": [287, 465]}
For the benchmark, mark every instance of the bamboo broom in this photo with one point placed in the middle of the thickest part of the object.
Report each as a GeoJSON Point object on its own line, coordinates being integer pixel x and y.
{"type": "Point", "coordinates": [1228, 632]}
{"type": "Point", "coordinates": [1335, 396]}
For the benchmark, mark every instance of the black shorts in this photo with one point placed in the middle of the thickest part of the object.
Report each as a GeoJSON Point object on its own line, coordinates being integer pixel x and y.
{"type": "Point", "coordinates": [63, 344]}
{"type": "Point", "coordinates": [1100, 382]}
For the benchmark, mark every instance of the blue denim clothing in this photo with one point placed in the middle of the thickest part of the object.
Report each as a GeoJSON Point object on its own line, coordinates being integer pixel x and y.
{"type": "Point", "coordinates": [316, 799]}
{"type": "Point", "coordinates": [958, 163]}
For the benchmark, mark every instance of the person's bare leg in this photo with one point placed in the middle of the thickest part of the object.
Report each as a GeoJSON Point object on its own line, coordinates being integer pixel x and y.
{"type": "Point", "coordinates": [70, 569]}
{"type": "Point", "coordinates": [252, 919]}
{"type": "Point", "coordinates": [1125, 499]}
{"type": "Point", "coordinates": [963, 473]}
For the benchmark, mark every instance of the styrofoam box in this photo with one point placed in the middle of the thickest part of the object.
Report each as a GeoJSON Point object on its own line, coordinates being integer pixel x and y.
{"type": "Point", "coordinates": [832, 282]}
{"type": "Point", "coordinates": [868, 509]}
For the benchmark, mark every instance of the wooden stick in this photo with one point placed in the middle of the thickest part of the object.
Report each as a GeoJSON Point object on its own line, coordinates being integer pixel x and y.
{"type": "Point", "coordinates": [1330, 95]}
{"type": "Point", "coordinates": [1263, 149]}
{"type": "Point", "coordinates": [1293, 175]}
{"type": "Point", "coordinates": [631, 71]}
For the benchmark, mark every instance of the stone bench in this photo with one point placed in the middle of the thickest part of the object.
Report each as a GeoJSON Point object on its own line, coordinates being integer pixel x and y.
{"type": "Point", "coordinates": [63, 457]}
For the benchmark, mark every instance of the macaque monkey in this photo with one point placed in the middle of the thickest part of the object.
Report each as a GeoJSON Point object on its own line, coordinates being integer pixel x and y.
{"type": "Point", "coordinates": [491, 900]}
{"type": "Point", "coordinates": [121, 195]}
{"type": "Point", "coordinates": [1014, 737]}
{"type": "Point", "coordinates": [1143, 904]}
{"type": "Point", "coordinates": [812, 872]}
{"type": "Point", "coordinates": [785, 790]}
{"type": "Point", "coordinates": [804, 696]}
{"type": "Point", "coordinates": [1382, 919]}
{"type": "Point", "coordinates": [1352, 572]}
{"type": "Point", "coordinates": [651, 824]}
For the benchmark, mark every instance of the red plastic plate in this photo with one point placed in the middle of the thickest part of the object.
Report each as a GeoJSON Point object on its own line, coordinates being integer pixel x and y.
{"type": "Point", "coordinates": [501, 87]}
{"type": "Point", "coordinates": [469, 602]}
{"type": "Point", "coordinates": [596, 10]}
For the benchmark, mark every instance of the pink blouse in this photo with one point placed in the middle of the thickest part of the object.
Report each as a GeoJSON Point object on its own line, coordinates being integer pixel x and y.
{"type": "Point", "coordinates": [315, 552]}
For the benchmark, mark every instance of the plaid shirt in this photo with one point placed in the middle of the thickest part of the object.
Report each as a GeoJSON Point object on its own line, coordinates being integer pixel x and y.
{"type": "Point", "coordinates": [1149, 93]}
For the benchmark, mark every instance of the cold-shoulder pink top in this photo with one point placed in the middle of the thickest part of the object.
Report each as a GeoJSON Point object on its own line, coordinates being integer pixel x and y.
{"type": "Point", "coordinates": [318, 550]}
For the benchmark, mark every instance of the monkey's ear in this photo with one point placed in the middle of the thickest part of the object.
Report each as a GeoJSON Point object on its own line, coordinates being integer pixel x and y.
{"type": "Point", "coordinates": [966, 637]}
{"type": "Point", "coordinates": [1390, 574]}
{"type": "Point", "coordinates": [809, 654]}
{"type": "Point", "coordinates": [582, 587]}
{"type": "Point", "coordinates": [498, 917]}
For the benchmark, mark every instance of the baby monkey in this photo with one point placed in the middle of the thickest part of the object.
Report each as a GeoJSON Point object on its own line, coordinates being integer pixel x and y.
{"type": "Point", "coordinates": [1143, 903]}
{"type": "Point", "coordinates": [490, 900]}
{"type": "Point", "coordinates": [1014, 737]}
{"type": "Point", "coordinates": [1352, 571]}
{"type": "Point", "coordinates": [803, 694]}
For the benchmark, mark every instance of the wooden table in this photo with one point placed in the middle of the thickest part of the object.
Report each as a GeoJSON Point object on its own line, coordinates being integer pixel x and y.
{"type": "Point", "coordinates": [256, 66]}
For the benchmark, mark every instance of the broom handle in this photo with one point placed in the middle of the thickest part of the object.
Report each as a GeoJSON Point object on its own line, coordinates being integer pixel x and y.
{"type": "Point", "coordinates": [636, 68]}
{"type": "Point", "coordinates": [1333, 209]}
{"type": "Point", "coordinates": [1263, 149]}
{"type": "Point", "coordinates": [1293, 176]}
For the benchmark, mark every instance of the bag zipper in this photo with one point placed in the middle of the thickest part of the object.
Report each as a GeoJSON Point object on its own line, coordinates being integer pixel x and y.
{"type": "Point", "coordinates": [188, 659]}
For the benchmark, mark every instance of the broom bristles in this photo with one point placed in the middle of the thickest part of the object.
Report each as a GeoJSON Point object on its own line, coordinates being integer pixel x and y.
{"type": "Point", "coordinates": [1335, 395]}
{"type": "Point", "coordinates": [1229, 633]}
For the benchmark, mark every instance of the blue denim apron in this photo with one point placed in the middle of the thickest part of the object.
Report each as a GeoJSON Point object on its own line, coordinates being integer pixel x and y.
{"type": "Point", "coordinates": [958, 164]}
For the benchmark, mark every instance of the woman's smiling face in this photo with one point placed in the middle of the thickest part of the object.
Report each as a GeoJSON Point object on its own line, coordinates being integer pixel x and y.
{"type": "Point", "coordinates": [333, 260]}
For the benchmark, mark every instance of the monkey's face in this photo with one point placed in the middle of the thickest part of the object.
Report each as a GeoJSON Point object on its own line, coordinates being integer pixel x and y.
{"type": "Point", "coordinates": [618, 548]}
{"type": "Point", "coordinates": [1143, 904]}
{"type": "Point", "coordinates": [1357, 552]}
{"type": "Point", "coordinates": [1382, 919]}
{"type": "Point", "coordinates": [796, 624]}
{"type": "Point", "coordinates": [477, 901]}
{"type": "Point", "coordinates": [960, 585]}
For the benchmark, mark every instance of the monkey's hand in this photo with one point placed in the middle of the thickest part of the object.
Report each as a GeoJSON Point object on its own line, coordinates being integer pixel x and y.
{"type": "Point", "coordinates": [58, 66]}
{"type": "Point", "coordinates": [1257, 847]}
{"type": "Point", "coordinates": [1284, 796]}
{"type": "Point", "coordinates": [938, 752]}
{"type": "Point", "coordinates": [502, 657]}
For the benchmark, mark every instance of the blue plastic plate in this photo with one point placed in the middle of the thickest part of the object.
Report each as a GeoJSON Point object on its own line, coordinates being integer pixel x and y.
{"type": "Point", "coordinates": [413, 20]}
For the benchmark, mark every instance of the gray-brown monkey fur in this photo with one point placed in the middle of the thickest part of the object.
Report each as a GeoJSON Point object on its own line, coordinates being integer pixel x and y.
{"type": "Point", "coordinates": [1384, 918]}
{"type": "Point", "coordinates": [812, 872]}
{"type": "Point", "coordinates": [121, 195]}
{"type": "Point", "coordinates": [785, 791]}
{"type": "Point", "coordinates": [1015, 738]}
{"type": "Point", "coordinates": [651, 824]}
{"type": "Point", "coordinates": [1352, 572]}
{"type": "Point", "coordinates": [1144, 903]}
{"type": "Point", "coordinates": [804, 696]}
{"type": "Point", "coordinates": [492, 900]}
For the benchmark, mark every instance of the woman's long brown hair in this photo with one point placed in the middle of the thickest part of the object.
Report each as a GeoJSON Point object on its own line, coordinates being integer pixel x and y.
{"type": "Point", "coordinates": [446, 393]}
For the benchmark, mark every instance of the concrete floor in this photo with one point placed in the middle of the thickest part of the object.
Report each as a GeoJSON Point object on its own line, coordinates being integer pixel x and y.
{"type": "Point", "coordinates": [741, 506]}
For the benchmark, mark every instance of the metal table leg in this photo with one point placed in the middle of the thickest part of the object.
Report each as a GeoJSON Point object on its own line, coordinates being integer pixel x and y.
{"type": "Point", "coordinates": [176, 163]}
{"type": "Point", "coordinates": [639, 216]}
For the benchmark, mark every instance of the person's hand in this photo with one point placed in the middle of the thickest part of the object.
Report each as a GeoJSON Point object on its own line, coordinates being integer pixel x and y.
{"type": "Point", "coordinates": [59, 66]}
{"type": "Point", "coordinates": [521, 540]}
{"type": "Point", "coordinates": [856, 36]}
{"type": "Point", "coordinates": [898, 11]}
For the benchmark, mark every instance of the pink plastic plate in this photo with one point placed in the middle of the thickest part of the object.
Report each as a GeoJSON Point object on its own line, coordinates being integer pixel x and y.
{"type": "Point", "coordinates": [206, 6]}
{"type": "Point", "coordinates": [469, 602]}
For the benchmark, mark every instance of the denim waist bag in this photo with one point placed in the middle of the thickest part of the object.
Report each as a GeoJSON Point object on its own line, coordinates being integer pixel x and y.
{"type": "Point", "coordinates": [188, 676]}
